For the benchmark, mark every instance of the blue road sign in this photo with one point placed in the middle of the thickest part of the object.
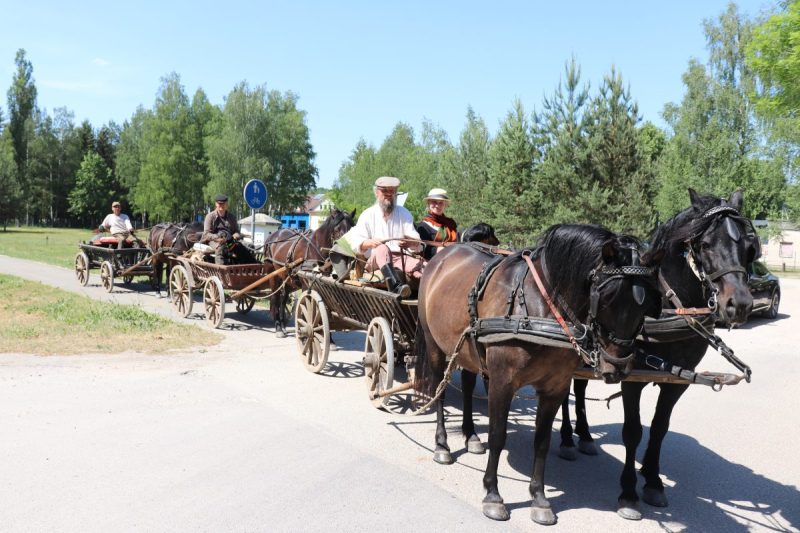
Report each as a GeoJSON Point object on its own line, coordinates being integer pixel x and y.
{"type": "Point", "coordinates": [255, 194]}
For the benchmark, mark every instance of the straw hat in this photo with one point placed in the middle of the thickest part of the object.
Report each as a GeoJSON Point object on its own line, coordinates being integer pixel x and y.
{"type": "Point", "coordinates": [437, 194]}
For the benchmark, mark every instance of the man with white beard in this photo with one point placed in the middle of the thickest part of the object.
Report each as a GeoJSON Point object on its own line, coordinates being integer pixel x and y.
{"type": "Point", "coordinates": [383, 232]}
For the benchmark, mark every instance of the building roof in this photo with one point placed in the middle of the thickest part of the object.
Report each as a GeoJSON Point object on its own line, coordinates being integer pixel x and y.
{"type": "Point", "coordinates": [261, 218]}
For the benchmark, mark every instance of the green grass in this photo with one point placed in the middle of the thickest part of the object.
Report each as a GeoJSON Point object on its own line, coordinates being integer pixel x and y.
{"type": "Point", "coordinates": [44, 320]}
{"type": "Point", "coordinates": [54, 246]}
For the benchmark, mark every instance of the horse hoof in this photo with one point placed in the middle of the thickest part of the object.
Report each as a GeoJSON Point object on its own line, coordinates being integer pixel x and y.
{"type": "Point", "coordinates": [629, 510]}
{"type": "Point", "coordinates": [442, 456]}
{"type": "Point", "coordinates": [474, 445]}
{"type": "Point", "coordinates": [496, 511]}
{"type": "Point", "coordinates": [587, 447]}
{"type": "Point", "coordinates": [567, 452]}
{"type": "Point", "coordinates": [334, 347]}
{"type": "Point", "coordinates": [280, 334]}
{"type": "Point", "coordinates": [654, 497]}
{"type": "Point", "coordinates": [543, 515]}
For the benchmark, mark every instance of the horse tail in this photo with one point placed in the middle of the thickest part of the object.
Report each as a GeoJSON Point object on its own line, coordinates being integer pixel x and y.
{"type": "Point", "coordinates": [423, 371]}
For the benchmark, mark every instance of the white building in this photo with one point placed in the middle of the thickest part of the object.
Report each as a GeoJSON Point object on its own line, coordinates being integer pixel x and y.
{"type": "Point", "coordinates": [265, 226]}
{"type": "Point", "coordinates": [780, 251]}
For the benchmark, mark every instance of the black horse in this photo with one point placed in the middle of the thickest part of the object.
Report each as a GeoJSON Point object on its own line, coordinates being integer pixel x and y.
{"type": "Point", "coordinates": [707, 249]}
{"type": "Point", "coordinates": [595, 277]}
{"type": "Point", "coordinates": [288, 245]}
{"type": "Point", "coordinates": [170, 238]}
{"type": "Point", "coordinates": [480, 232]}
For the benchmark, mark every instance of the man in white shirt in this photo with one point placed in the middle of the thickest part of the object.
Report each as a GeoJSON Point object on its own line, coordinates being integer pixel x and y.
{"type": "Point", "coordinates": [118, 224]}
{"type": "Point", "coordinates": [382, 233]}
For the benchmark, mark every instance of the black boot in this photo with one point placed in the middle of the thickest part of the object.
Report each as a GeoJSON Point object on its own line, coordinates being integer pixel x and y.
{"type": "Point", "coordinates": [393, 284]}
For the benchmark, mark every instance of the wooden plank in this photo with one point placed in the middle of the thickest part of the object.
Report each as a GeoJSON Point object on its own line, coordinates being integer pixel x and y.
{"type": "Point", "coordinates": [647, 376]}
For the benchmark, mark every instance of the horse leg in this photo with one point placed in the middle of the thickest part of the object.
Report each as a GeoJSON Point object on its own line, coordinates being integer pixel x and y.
{"type": "Point", "coordinates": [278, 313]}
{"type": "Point", "coordinates": [653, 492]}
{"type": "Point", "coordinates": [566, 449]}
{"type": "Point", "coordinates": [501, 392]}
{"type": "Point", "coordinates": [158, 270]}
{"type": "Point", "coordinates": [585, 441]}
{"type": "Point", "coordinates": [441, 453]}
{"type": "Point", "coordinates": [471, 439]}
{"type": "Point", "coordinates": [546, 410]}
{"type": "Point", "coordinates": [628, 501]}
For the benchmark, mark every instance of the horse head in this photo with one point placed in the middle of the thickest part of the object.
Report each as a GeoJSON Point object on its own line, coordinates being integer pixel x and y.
{"type": "Point", "coordinates": [480, 232]}
{"type": "Point", "coordinates": [620, 284]}
{"type": "Point", "coordinates": [720, 245]}
{"type": "Point", "coordinates": [335, 226]}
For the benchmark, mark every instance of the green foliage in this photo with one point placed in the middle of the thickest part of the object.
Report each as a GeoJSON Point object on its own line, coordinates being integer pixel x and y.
{"type": "Point", "coordinates": [93, 192]}
{"type": "Point", "coordinates": [717, 143]}
{"type": "Point", "coordinates": [9, 187]}
{"type": "Point", "coordinates": [262, 135]}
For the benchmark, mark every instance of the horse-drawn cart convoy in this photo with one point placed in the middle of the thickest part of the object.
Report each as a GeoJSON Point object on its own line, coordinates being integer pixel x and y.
{"type": "Point", "coordinates": [585, 304]}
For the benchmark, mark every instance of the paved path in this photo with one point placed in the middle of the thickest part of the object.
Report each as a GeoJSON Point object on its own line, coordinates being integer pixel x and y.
{"type": "Point", "coordinates": [239, 437]}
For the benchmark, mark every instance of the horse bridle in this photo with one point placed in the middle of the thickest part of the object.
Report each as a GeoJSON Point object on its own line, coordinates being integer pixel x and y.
{"type": "Point", "coordinates": [708, 281]}
{"type": "Point", "coordinates": [598, 278]}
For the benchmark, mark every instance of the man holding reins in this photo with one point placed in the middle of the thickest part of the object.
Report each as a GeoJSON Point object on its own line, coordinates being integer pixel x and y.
{"type": "Point", "coordinates": [383, 231]}
{"type": "Point", "coordinates": [220, 227]}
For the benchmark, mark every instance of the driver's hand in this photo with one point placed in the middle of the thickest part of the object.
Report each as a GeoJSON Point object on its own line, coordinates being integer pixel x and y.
{"type": "Point", "coordinates": [236, 236]}
{"type": "Point", "coordinates": [405, 244]}
{"type": "Point", "coordinates": [368, 244]}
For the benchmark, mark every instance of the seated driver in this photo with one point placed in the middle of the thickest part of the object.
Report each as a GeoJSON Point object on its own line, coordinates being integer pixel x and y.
{"type": "Point", "coordinates": [119, 225]}
{"type": "Point", "coordinates": [219, 227]}
{"type": "Point", "coordinates": [383, 231]}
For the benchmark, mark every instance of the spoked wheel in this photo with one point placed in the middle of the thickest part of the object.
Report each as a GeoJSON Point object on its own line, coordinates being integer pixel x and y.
{"type": "Point", "coordinates": [82, 268]}
{"type": "Point", "coordinates": [107, 276]}
{"type": "Point", "coordinates": [127, 280]}
{"type": "Point", "coordinates": [245, 304]}
{"type": "Point", "coordinates": [214, 301]}
{"type": "Point", "coordinates": [379, 360]}
{"type": "Point", "coordinates": [180, 291]}
{"type": "Point", "coordinates": [312, 331]}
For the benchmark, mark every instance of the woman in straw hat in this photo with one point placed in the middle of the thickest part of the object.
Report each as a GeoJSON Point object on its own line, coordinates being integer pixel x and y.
{"type": "Point", "coordinates": [435, 226]}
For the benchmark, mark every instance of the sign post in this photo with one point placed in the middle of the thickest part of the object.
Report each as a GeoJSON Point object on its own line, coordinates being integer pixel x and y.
{"type": "Point", "coordinates": [255, 195]}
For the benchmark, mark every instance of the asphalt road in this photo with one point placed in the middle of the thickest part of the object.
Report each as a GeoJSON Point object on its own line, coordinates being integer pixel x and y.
{"type": "Point", "coordinates": [240, 437]}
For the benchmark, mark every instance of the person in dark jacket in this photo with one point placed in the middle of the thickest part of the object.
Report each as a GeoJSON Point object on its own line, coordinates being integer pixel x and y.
{"type": "Point", "coordinates": [220, 228]}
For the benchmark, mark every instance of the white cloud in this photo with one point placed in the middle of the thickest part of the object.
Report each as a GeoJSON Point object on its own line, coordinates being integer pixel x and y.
{"type": "Point", "coordinates": [100, 62]}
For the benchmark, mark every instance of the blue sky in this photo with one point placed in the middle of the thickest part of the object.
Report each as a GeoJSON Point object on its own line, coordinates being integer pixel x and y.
{"type": "Point", "coordinates": [358, 67]}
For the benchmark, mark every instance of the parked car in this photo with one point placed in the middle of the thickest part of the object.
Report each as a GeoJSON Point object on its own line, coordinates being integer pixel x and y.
{"type": "Point", "coordinates": [765, 288]}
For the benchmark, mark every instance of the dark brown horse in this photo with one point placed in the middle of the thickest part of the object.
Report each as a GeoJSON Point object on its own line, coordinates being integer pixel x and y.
{"type": "Point", "coordinates": [597, 281]}
{"type": "Point", "coordinates": [707, 249]}
{"type": "Point", "coordinates": [170, 238]}
{"type": "Point", "coordinates": [288, 245]}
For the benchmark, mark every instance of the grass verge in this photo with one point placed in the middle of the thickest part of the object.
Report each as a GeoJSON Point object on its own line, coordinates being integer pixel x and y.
{"type": "Point", "coordinates": [40, 319]}
{"type": "Point", "coordinates": [54, 246]}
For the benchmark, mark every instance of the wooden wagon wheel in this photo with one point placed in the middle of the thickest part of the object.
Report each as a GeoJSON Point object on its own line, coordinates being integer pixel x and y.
{"type": "Point", "coordinates": [244, 304]}
{"type": "Point", "coordinates": [214, 301]}
{"type": "Point", "coordinates": [312, 331]}
{"type": "Point", "coordinates": [379, 360]}
{"type": "Point", "coordinates": [180, 291]}
{"type": "Point", "coordinates": [82, 268]}
{"type": "Point", "coordinates": [107, 276]}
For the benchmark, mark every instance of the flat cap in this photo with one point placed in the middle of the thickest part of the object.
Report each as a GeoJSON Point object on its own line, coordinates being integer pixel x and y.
{"type": "Point", "coordinates": [221, 198]}
{"type": "Point", "coordinates": [115, 204]}
{"type": "Point", "coordinates": [387, 181]}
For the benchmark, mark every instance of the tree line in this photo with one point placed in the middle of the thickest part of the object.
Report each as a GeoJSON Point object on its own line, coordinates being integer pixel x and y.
{"type": "Point", "coordinates": [583, 154]}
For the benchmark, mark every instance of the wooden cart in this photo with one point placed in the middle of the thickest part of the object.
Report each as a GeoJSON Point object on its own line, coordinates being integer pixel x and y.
{"type": "Point", "coordinates": [389, 321]}
{"type": "Point", "coordinates": [113, 263]}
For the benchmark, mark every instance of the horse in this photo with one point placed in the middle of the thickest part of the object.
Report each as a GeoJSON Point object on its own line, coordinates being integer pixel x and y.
{"type": "Point", "coordinates": [287, 245]}
{"type": "Point", "coordinates": [595, 277]}
{"type": "Point", "coordinates": [173, 238]}
{"type": "Point", "coordinates": [480, 232]}
{"type": "Point", "coordinates": [707, 247]}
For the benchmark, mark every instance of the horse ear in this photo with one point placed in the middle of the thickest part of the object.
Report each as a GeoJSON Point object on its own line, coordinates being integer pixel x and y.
{"type": "Point", "coordinates": [654, 258]}
{"type": "Point", "coordinates": [609, 252]}
{"type": "Point", "coordinates": [695, 199]}
{"type": "Point", "coordinates": [353, 214]}
{"type": "Point", "coordinates": [736, 199]}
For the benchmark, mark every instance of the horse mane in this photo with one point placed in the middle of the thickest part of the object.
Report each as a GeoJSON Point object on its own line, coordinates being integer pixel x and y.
{"type": "Point", "coordinates": [569, 252]}
{"type": "Point", "coordinates": [684, 225]}
{"type": "Point", "coordinates": [336, 216]}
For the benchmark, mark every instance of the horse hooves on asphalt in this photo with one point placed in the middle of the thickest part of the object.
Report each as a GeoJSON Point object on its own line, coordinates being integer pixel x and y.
{"type": "Point", "coordinates": [496, 511]}
{"type": "Point", "coordinates": [567, 452]}
{"type": "Point", "coordinates": [629, 510]}
{"type": "Point", "coordinates": [280, 334]}
{"type": "Point", "coordinates": [587, 447]}
{"type": "Point", "coordinates": [474, 445]}
{"type": "Point", "coordinates": [543, 515]}
{"type": "Point", "coordinates": [442, 456]}
{"type": "Point", "coordinates": [654, 497]}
